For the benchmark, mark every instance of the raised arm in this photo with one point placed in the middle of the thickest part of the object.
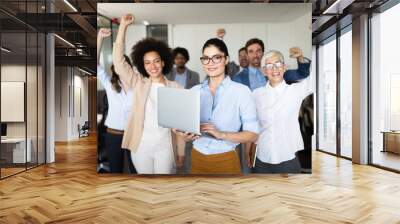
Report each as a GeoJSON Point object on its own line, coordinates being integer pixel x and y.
{"type": "Point", "coordinates": [103, 33]}
{"type": "Point", "coordinates": [126, 73]}
{"type": "Point", "coordinates": [102, 75]}
{"type": "Point", "coordinates": [303, 69]}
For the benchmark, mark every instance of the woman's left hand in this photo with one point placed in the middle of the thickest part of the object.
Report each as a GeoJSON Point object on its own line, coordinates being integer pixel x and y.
{"type": "Point", "coordinates": [210, 128]}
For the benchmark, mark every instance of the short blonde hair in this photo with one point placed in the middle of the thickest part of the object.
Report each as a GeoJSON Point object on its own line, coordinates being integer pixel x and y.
{"type": "Point", "coordinates": [273, 53]}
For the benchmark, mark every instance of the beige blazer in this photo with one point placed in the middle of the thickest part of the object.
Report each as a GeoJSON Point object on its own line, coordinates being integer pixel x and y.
{"type": "Point", "coordinates": [141, 88]}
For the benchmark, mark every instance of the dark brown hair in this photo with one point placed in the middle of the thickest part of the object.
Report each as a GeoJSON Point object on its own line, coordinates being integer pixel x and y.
{"type": "Point", "coordinates": [220, 45]}
{"type": "Point", "coordinates": [182, 51]}
{"type": "Point", "coordinates": [115, 78]}
{"type": "Point", "coordinates": [255, 41]}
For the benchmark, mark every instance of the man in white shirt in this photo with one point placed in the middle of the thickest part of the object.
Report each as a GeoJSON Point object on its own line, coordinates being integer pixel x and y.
{"type": "Point", "coordinates": [278, 106]}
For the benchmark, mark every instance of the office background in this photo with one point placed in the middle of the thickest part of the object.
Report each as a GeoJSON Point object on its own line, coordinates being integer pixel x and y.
{"type": "Point", "coordinates": [22, 77]}
{"type": "Point", "coordinates": [279, 26]}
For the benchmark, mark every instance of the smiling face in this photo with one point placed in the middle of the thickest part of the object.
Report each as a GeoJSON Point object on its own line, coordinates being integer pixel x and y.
{"type": "Point", "coordinates": [274, 69]}
{"type": "Point", "coordinates": [153, 64]}
{"type": "Point", "coordinates": [216, 61]}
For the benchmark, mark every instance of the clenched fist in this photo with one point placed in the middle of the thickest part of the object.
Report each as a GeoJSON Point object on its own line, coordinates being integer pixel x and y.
{"type": "Point", "coordinates": [127, 20]}
{"type": "Point", "coordinates": [296, 52]}
{"type": "Point", "coordinates": [221, 33]}
{"type": "Point", "coordinates": [104, 32]}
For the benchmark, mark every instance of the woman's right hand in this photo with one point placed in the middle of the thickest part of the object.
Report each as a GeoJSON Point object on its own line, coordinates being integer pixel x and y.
{"type": "Point", "coordinates": [127, 20]}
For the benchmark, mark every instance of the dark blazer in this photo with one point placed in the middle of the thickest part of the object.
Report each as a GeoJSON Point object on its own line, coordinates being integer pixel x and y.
{"type": "Point", "coordinates": [192, 77]}
{"type": "Point", "coordinates": [233, 69]}
{"type": "Point", "coordinates": [290, 76]}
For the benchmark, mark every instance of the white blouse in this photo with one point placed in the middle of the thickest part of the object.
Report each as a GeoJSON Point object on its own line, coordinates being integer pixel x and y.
{"type": "Point", "coordinates": [119, 104]}
{"type": "Point", "coordinates": [154, 137]}
{"type": "Point", "coordinates": [278, 111]}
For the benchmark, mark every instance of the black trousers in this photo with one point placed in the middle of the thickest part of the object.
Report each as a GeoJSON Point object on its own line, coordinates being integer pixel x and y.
{"type": "Point", "coordinates": [119, 159]}
{"type": "Point", "coordinates": [290, 166]}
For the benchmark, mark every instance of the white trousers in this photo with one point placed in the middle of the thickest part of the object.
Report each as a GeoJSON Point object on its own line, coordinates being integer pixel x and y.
{"type": "Point", "coordinates": [152, 160]}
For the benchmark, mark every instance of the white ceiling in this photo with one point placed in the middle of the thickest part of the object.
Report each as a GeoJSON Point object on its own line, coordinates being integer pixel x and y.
{"type": "Point", "coordinates": [206, 13]}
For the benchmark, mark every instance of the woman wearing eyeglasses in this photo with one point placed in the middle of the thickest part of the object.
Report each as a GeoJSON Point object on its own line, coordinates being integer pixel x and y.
{"type": "Point", "coordinates": [152, 147]}
{"type": "Point", "coordinates": [226, 107]}
{"type": "Point", "coordinates": [278, 106]}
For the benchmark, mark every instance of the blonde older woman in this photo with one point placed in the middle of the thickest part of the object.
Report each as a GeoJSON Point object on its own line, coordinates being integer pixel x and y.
{"type": "Point", "coordinates": [278, 106]}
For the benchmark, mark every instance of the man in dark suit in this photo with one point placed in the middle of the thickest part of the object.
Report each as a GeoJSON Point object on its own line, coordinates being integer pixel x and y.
{"type": "Point", "coordinates": [253, 76]}
{"type": "Point", "coordinates": [180, 73]}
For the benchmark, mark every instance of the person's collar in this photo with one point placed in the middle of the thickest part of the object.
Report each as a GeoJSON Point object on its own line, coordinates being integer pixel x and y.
{"type": "Point", "coordinates": [277, 87]}
{"type": "Point", "coordinates": [253, 69]}
{"type": "Point", "coordinates": [227, 80]}
{"type": "Point", "coordinates": [176, 70]}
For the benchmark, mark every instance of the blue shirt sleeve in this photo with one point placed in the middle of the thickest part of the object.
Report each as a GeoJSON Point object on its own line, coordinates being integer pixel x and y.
{"type": "Point", "coordinates": [248, 112]}
{"type": "Point", "coordinates": [302, 71]}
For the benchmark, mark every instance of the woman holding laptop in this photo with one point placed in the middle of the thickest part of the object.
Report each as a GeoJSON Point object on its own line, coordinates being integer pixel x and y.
{"type": "Point", "coordinates": [227, 114]}
{"type": "Point", "coordinates": [152, 147]}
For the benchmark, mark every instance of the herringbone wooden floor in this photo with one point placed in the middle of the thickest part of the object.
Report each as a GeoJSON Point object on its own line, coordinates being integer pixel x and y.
{"type": "Point", "coordinates": [70, 191]}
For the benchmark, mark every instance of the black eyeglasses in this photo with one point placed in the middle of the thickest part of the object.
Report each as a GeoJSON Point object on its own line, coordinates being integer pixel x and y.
{"type": "Point", "coordinates": [215, 59]}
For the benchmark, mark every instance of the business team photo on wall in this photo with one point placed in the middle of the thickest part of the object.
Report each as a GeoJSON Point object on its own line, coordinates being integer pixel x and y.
{"type": "Point", "coordinates": [220, 95]}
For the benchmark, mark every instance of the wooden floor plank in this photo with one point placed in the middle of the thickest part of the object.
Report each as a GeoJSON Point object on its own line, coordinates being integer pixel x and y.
{"type": "Point", "coordinates": [70, 191]}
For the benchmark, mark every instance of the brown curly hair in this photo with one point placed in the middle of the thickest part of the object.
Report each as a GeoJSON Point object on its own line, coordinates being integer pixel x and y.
{"type": "Point", "coordinates": [147, 45]}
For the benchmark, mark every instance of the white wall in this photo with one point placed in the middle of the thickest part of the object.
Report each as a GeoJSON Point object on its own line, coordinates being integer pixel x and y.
{"type": "Point", "coordinates": [134, 33]}
{"type": "Point", "coordinates": [80, 83]}
{"type": "Point", "coordinates": [61, 103]}
{"type": "Point", "coordinates": [67, 115]}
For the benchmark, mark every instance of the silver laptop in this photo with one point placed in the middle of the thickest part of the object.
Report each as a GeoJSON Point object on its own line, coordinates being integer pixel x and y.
{"type": "Point", "coordinates": [179, 109]}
